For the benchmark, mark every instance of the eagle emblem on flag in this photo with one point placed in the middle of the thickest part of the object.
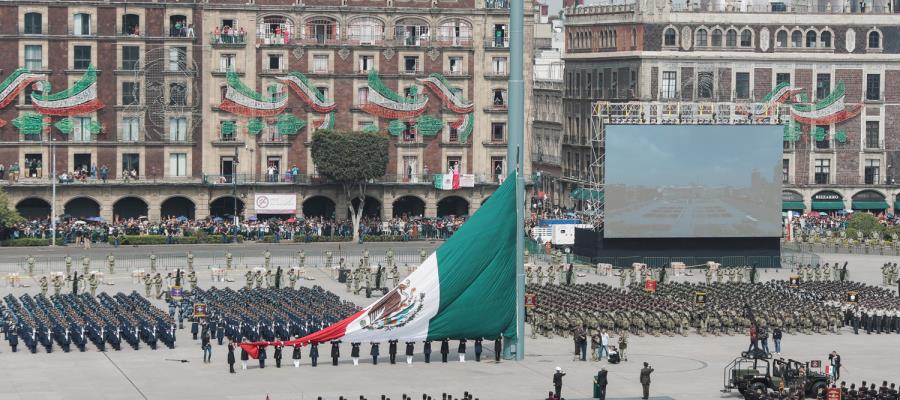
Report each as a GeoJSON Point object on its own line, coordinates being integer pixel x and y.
{"type": "Point", "coordinates": [395, 309]}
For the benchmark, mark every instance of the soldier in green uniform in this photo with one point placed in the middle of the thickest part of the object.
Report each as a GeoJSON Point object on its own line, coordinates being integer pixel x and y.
{"type": "Point", "coordinates": [270, 278]}
{"type": "Point", "coordinates": [111, 263]}
{"type": "Point", "coordinates": [267, 260]}
{"type": "Point", "coordinates": [540, 276]}
{"type": "Point", "coordinates": [192, 279]}
{"type": "Point", "coordinates": [94, 282]}
{"type": "Point", "coordinates": [292, 278]}
{"type": "Point", "coordinates": [44, 285]}
{"type": "Point", "coordinates": [30, 263]}
{"type": "Point", "coordinates": [85, 265]}
{"type": "Point", "coordinates": [228, 259]}
{"type": "Point", "coordinates": [357, 278]}
{"type": "Point", "coordinates": [389, 257]}
{"type": "Point", "coordinates": [350, 279]}
{"type": "Point", "coordinates": [529, 276]}
{"type": "Point", "coordinates": [153, 263]}
{"type": "Point", "coordinates": [708, 276]}
{"type": "Point", "coordinates": [148, 282]}
{"type": "Point", "coordinates": [249, 277]}
{"type": "Point", "coordinates": [190, 262]}
{"type": "Point", "coordinates": [422, 256]}
{"type": "Point", "coordinates": [157, 285]}
{"type": "Point", "coordinates": [259, 279]}
{"type": "Point", "coordinates": [68, 265]}
{"type": "Point", "coordinates": [631, 276]}
{"type": "Point", "coordinates": [395, 276]}
{"type": "Point", "coordinates": [551, 275]}
{"type": "Point", "coordinates": [329, 257]}
{"type": "Point", "coordinates": [57, 285]}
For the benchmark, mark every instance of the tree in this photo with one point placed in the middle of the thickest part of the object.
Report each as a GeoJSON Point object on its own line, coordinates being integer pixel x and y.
{"type": "Point", "coordinates": [8, 216]}
{"type": "Point", "coordinates": [351, 159]}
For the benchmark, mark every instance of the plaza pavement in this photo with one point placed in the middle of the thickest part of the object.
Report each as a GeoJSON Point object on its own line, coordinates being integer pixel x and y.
{"type": "Point", "coordinates": [686, 368]}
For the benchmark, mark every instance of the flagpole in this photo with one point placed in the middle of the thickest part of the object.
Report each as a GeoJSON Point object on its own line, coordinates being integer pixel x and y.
{"type": "Point", "coordinates": [514, 155]}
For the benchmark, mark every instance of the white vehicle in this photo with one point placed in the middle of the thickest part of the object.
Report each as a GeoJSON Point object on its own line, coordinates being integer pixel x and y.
{"type": "Point", "coordinates": [564, 234]}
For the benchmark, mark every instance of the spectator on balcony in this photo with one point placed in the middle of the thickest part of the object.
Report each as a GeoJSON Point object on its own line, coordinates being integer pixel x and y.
{"type": "Point", "coordinates": [14, 172]}
{"type": "Point", "coordinates": [190, 31]}
{"type": "Point", "coordinates": [104, 173]}
{"type": "Point", "coordinates": [178, 29]}
{"type": "Point", "coordinates": [2, 171]}
{"type": "Point", "coordinates": [295, 174]}
{"type": "Point", "coordinates": [217, 35]}
{"type": "Point", "coordinates": [241, 35]}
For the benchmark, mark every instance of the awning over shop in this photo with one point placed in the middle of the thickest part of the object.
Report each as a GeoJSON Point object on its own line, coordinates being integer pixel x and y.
{"type": "Point", "coordinates": [827, 205]}
{"type": "Point", "coordinates": [793, 205]}
{"type": "Point", "coordinates": [869, 205]}
{"type": "Point", "coordinates": [586, 194]}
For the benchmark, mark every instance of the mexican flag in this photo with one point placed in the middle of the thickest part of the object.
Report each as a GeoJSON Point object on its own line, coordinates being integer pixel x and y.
{"type": "Point", "coordinates": [464, 290]}
{"type": "Point", "coordinates": [447, 181]}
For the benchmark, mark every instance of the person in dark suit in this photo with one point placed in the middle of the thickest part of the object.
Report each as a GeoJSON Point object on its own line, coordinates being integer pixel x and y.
{"type": "Point", "coordinates": [392, 351]}
{"type": "Point", "coordinates": [335, 351]}
{"type": "Point", "coordinates": [835, 359]}
{"type": "Point", "coordinates": [12, 335]}
{"type": "Point", "coordinates": [410, 351]}
{"type": "Point", "coordinates": [262, 356]}
{"type": "Point", "coordinates": [231, 357]}
{"type": "Point", "coordinates": [462, 350]}
{"type": "Point", "coordinates": [245, 357]}
{"type": "Point", "coordinates": [645, 380]}
{"type": "Point", "coordinates": [478, 350]}
{"type": "Point", "coordinates": [557, 382]}
{"type": "Point", "coordinates": [445, 349]}
{"type": "Point", "coordinates": [277, 355]}
{"type": "Point", "coordinates": [314, 354]}
{"type": "Point", "coordinates": [374, 353]}
{"type": "Point", "coordinates": [295, 356]}
{"type": "Point", "coordinates": [427, 351]}
{"type": "Point", "coordinates": [498, 348]}
{"type": "Point", "coordinates": [354, 352]}
{"type": "Point", "coordinates": [601, 381]}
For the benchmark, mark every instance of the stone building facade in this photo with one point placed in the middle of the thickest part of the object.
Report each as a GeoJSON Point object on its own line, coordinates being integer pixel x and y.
{"type": "Point", "coordinates": [205, 102]}
{"type": "Point", "coordinates": [845, 157]}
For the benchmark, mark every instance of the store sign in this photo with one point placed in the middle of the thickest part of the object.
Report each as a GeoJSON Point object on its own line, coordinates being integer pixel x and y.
{"type": "Point", "coordinates": [826, 196]}
{"type": "Point", "coordinates": [791, 196]}
{"type": "Point", "coordinates": [276, 204]}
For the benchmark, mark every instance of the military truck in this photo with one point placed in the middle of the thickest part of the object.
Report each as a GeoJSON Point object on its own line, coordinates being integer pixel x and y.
{"type": "Point", "coordinates": [752, 374]}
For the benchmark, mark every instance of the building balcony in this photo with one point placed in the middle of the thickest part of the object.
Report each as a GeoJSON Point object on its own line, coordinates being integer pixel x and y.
{"type": "Point", "coordinates": [453, 41]}
{"type": "Point", "coordinates": [224, 41]}
{"type": "Point", "coordinates": [322, 40]}
{"type": "Point", "coordinates": [496, 75]}
{"type": "Point", "coordinates": [365, 40]}
{"type": "Point", "coordinates": [412, 41]}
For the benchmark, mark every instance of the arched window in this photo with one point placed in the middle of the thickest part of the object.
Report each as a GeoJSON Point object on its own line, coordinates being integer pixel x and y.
{"type": "Point", "coordinates": [321, 30]}
{"type": "Point", "coordinates": [669, 37]}
{"type": "Point", "coordinates": [717, 38]}
{"type": "Point", "coordinates": [796, 39]}
{"type": "Point", "coordinates": [781, 39]}
{"type": "Point", "coordinates": [367, 30]}
{"type": "Point", "coordinates": [825, 38]}
{"type": "Point", "coordinates": [811, 39]}
{"type": "Point", "coordinates": [415, 31]}
{"type": "Point", "coordinates": [34, 23]}
{"type": "Point", "coordinates": [701, 38]}
{"type": "Point", "coordinates": [874, 41]}
{"type": "Point", "coordinates": [746, 38]}
{"type": "Point", "coordinates": [731, 38]}
{"type": "Point", "coordinates": [275, 29]}
{"type": "Point", "coordinates": [458, 32]}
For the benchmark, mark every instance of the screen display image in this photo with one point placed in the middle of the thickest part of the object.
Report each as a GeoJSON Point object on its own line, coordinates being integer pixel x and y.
{"type": "Point", "coordinates": [684, 181]}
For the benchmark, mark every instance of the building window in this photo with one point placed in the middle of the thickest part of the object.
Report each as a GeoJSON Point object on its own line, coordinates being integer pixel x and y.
{"type": "Point", "coordinates": [742, 85]}
{"type": "Point", "coordinates": [275, 29]}
{"type": "Point", "coordinates": [226, 62]}
{"type": "Point", "coordinates": [131, 25]}
{"type": "Point", "coordinates": [178, 129]}
{"type": "Point", "coordinates": [366, 63]}
{"type": "Point", "coordinates": [409, 132]}
{"type": "Point", "coordinates": [131, 93]}
{"type": "Point", "coordinates": [178, 58]}
{"type": "Point", "coordinates": [746, 38]}
{"type": "Point", "coordinates": [825, 39]}
{"type": "Point", "coordinates": [823, 86]}
{"type": "Point", "coordinates": [367, 30]}
{"type": "Point", "coordinates": [781, 39]}
{"type": "Point", "coordinates": [811, 39]}
{"type": "Point", "coordinates": [321, 30]}
{"type": "Point", "coordinates": [874, 41]}
{"type": "Point", "coordinates": [131, 164]}
{"type": "Point", "coordinates": [34, 24]}
{"type": "Point", "coordinates": [454, 163]}
{"type": "Point", "coordinates": [130, 129]}
{"type": "Point", "coordinates": [81, 129]}
{"type": "Point", "coordinates": [498, 166]}
{"type": "Point", "coordinates": [782, 77]}
{"type": "Point", "coordinates": [320, 64]}
{"type": "Point", "coordinates": [873, 86]}
{"type": "Point", "coordinates": [796, 38]}
{"type": "Point", "coordinates": [497, 132]}
{"type": "Point", "coordinates": [499, 65]}
{"type": "Point", "coordinates": [499, 98]}
{"type": "Point", "coordinates": [34, 57]}
{"type": "Point", "coordinates": [456, 65]}
{"type": "Point", "coordinates": [825, 143]}
{"type": "Point", "coordinates": [822, 171]}
{"type": "Point", "coordinates": [362, 96]}
{"type": "Point", "coordinates": [82, 57]}
{"type": "Point", "coordinates": [178, 164]}
{"type": "Point", "coordinates": [872, 171]}
{"type": "Point", "coordinates": [130, 57]}
{"type": "Point", "coordinates": [704, 84]}
{"type": "Point", "coordinates": [177, 94]}
{"type": "Point", "coordinates": [410, 64]}
{"type": "Point", "coordinates": [323, 90]}
{"type": "Point", "coordinates": [785, 170]}
{"type": "Point", "coordinates": [669, 84]}
{"type": "Point", "coordinates": [614, 85]}
{"type": "Point", "coordinates": [275, 62]}
{"type": "Point", "coordinates": [717, 38]}
{"type": "Point", "coordinates": [701, 38]}
{"type": "Point", "coordinates": [452, 135]}
{"type": "Point", "coordinates": [669, 37]}
{"type": "Point", "coordinates": [412, 32]}
{"type": "Point", "coordinates": [873, 135]}
{"type": "Point", "coordinates": [81, 24]}
{"type": "Point", "coordinates": [731, 38]}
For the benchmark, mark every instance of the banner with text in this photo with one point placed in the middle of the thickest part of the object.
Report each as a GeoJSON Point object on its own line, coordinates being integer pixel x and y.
{"type": "Point", "coordinates": [276, 203]}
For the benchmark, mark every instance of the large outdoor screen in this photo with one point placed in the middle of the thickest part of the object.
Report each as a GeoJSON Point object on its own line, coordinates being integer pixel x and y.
{"type": "Point", "coordinates": [684, 181]}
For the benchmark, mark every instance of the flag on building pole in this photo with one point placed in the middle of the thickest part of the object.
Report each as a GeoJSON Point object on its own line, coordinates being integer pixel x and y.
{"type": "Point", "coordinates": [448, 181]}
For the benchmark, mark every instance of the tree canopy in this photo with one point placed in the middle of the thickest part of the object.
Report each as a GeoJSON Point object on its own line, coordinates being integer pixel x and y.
{"type": "Point", "coordinates": [8, 216]}
{"type": "Point", "coordinates": [350, 157]}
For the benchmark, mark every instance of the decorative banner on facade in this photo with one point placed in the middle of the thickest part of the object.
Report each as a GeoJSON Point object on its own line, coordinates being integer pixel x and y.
{"type": "Point", "coordinates": [325, 123]}
{"type": "Point", "coordinates": [313, 97]}
{"type": "Point", "coordinates": [464, 126]}
{"type": "Point", "coordinates": [30, 123]}
{"type": "Point", "coordinates": [243, 101]}
{"type": "Point", "coordinates": [79, 99]}
{"type": "Point", "coordinates": [275, 203]}
{"type": "Point", "coordinates": [386, 103]}
{"type": "Point", "coordinates": [830, 110]}
{"type": "Point", "coordinates": [450, 97]}
{"type": "Point", "coordinates": [453, 181]}
{"type": "Point", "coordinates": [14, 84]}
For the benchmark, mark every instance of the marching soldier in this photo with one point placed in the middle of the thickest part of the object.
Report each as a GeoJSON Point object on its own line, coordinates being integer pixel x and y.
{"type": "Point", "coordinates": [148, 282]}
{"type": "Point", "coordinates": [365, 258]}
{"type": "Point", "coordinates": [708, 276]}
{"type": "Point", "coordinates": [57, 285]}
{"type": "Point", "coordinates": [157, 285]}
{"type": "Point", "coordinates": [329, 256]}
{"type": "Point", "coordinates": [192, 279]}
{"type": "Point", "coordinates": [292, 278]}
{"type": "Point", "coordinates": [30, 262]}
{"type": "Point", "coordinates": [622, 276]}
{"type": "Point", "coordinates": [540, 276]}
{"type": "Point", "coordinates": [349, 279]}
{"type": "Point", "coordinates": [44, 285]}
{"type": "Point", "coordinates": [258, 276]}
{"type": "Point", "coordinates": [94, 281]}
{"type": "Point", "coordinates": [389, 258]}
{"type": "Point", "coordinates": [551, 274]}
{"type": "Point", "coordinates": [249, 277]}
{"type": "Point", "coordinates": [301, 256]}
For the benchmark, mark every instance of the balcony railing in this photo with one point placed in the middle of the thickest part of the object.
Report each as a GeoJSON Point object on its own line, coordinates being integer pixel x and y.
{"type": "Point", "coordinates": [321, 40]}
{"type": "Point", "coordinates": [412, 41]}
{"type": "Point", "coordinates": [496, 42]}
{"type": "Point", "coordinates": [453, 41]}
{"type": "Point", "coordinates": [227, 39]}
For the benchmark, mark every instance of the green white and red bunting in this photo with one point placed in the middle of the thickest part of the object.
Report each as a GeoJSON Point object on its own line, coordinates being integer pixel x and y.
{"type": "Point", "coordinates": [246, 102]}
{"type": "Point", "coordinates": [325, 123]}
{"type": "Point", "coordinates": [830, 110]}
{"type": "Point", "coordinates": [386, 103]}
{"type": "Point", "coordinates": [14, 84]}
{"type": "Point", "coordinates": [439, 85]}
{"type": "Point", "coordinates": [464, 126]}
{"type": "Point", "coordinates": [79, 99]}
{"type": "Point", "coordinates": [313, 97]}
{"type": "Point", "coordinates": [464, 290]}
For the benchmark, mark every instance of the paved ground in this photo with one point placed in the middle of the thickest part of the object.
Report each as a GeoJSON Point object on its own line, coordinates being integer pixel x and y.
{"type": "Point", "coordinates": [686, 368]}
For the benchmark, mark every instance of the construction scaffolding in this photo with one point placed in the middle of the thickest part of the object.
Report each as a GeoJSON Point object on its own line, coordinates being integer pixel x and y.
{"type": "Point", "coordinates": [664, 113]}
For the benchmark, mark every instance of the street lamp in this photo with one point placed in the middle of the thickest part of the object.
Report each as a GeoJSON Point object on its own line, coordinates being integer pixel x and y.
{"type": "Point", "coordinates": [53, 195]}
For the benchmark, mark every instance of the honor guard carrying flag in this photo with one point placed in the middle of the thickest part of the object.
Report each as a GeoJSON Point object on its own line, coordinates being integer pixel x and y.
{"type": "Point", "coordinates": [354, 352]}
{"type": "Point", "coordinates": [410, 348]}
